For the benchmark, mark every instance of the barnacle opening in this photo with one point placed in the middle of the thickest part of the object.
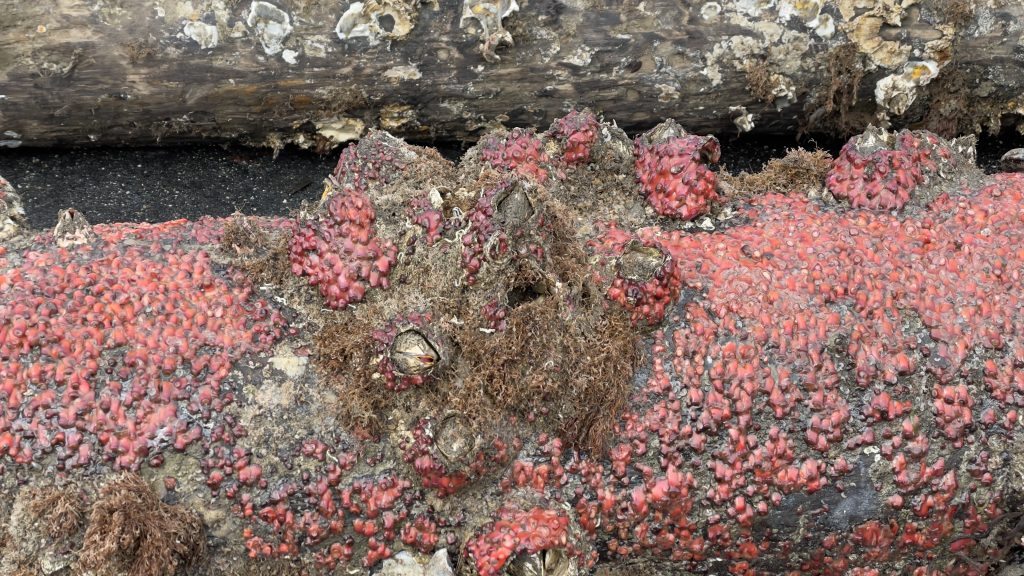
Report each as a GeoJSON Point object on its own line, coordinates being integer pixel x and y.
{"type": "Point", "coordinates": [641, 263]}
{"type": "Point", "coordinates": [412, 353]}
{"type": "Point", "coordinates": [528, 291]}
{"type": "Point", "coordinates": [455, 439]}
{"type": "Point", "coordinates": [552, 562]}
{"type": "Point", "coordinates": [386, 22]}
{"type": "Point", "coordinates": [514, 207]}
{"type": "Point", "coordinates": [710, 151]}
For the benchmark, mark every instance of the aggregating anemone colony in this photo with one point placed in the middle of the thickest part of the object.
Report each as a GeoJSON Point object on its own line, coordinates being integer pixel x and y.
{"type": "Point", "coordinates": [831, 384]}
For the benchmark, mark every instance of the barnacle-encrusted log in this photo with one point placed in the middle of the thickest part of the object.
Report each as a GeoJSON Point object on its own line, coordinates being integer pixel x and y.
{"type": "Point", "coordinates": [317, 72]}
{"type": "Point", "coordinates": [832, 378]}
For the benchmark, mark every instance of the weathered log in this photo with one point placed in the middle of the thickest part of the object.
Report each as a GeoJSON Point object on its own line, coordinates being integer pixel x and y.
{"type": "Point", "coordinates": [441, 361]}
{"type": "Point", "coordinates": [317, 73]}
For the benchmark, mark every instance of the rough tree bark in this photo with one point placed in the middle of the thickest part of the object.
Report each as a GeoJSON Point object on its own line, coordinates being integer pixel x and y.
{"type": "Point", "coordinates": [317, 73]}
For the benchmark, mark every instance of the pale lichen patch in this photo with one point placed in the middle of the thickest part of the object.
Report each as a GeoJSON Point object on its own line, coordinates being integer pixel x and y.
{"type": "Point", "coordinates": [395, 116]}
{"type": "Point", "coordinates": [340, 129]}
{"type": "Point", "coordinates": [292, 366]}
{"type": "Point", "coordinates": [316, 46]}
{"type": "Point", "coordinates": [808, 12]}
{"type": "Point", "coordinates": [581, 57]}
{"type": "Point", "coordinates": [865, 31]}
{"type": "Point", "coordinates": [710, 11]}
{"type": "Point", "coordinates": [864, 28]}
{"type": "Point", "coordinates": [667, 92]}
{"type": "Point", "coordinates": [803, 10]}
{"type": "Point", "coordinates": [406, 72]}
{"type": "Point", "coordinates": [753, 8]}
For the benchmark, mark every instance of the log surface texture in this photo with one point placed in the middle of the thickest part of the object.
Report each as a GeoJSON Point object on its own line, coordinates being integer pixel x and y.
{"type": "Point", "coordinates": [317, 73]}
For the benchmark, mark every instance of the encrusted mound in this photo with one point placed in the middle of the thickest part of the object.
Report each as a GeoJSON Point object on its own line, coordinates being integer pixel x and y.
{"type": "Point", "coordinates": [672, 167]}
{"type": "Point", "coordinates": [498, 297]}
{"type": "Point", "coordinates": [880, 170]}
{"type": "Point", "coordinates": [577, 133]}
{"type": "Point", "coordinates": [822, 390]}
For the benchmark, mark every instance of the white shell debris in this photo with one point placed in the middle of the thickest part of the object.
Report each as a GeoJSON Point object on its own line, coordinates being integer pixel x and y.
{"type": "Point", "coordinates": [406, 564]}
{"type": "Point", "coordinates": [377, 20]}
{"type": "Point", "coordinates": [823, 25]}
{"type": "Point", "coordinates": [745, 120]}
{"type": "Point", "coordinates": [896, 92]}
{"type": "Point", "coordinates": [272, 25]}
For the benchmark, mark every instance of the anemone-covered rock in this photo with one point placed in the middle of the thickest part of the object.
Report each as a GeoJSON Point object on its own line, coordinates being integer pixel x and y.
{"type": "Point", "coordinates": [807, 389]}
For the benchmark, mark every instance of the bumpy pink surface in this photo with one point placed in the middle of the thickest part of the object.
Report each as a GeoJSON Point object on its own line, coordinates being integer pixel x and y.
{"type": "Point", "coordinates": [674, 174]}
{"type": "Point", "coordinates": [116, 351]}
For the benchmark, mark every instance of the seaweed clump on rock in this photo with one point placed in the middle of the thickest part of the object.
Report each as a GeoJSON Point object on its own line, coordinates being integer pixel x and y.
{"type": "Point", "coordinates": [121, 527]}
{"type": "Point", "coordinates": [131, 531]}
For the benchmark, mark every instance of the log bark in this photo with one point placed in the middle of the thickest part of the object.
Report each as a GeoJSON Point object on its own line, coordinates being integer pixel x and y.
{"type": "Point", "coordinates": [115, 72]}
